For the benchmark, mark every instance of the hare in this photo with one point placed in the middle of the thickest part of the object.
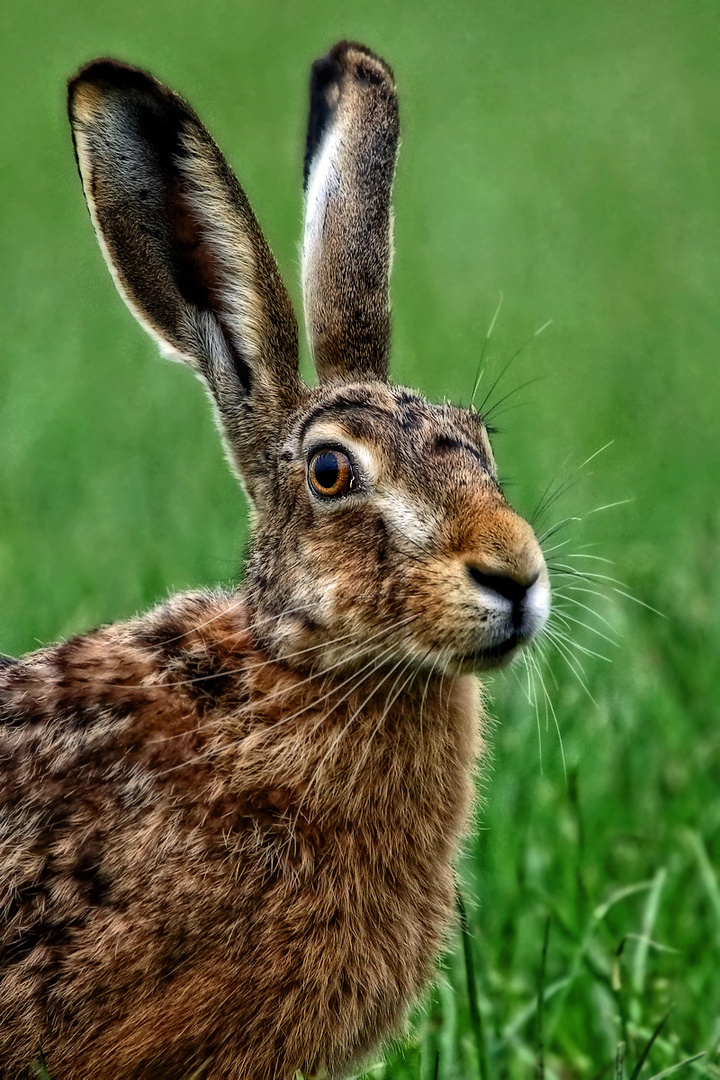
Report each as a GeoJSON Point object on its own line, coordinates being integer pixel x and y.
{"type": "Point", "coordinates": [229, 826]}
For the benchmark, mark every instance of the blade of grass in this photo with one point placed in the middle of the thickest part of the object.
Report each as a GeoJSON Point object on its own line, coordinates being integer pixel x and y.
{"type": "Point", "coordinates": [648, 1047]}
{"type": "Point", "coordinates": [707, 872]}
{"type": "Point", "coordinates": [526, 1013]}
{"type": "Point", "coordinates": [541, 1003]}
{"type": "Point", "coordinates": [680, 1065]}
{"type": "Point", "coordinates": [39, 1068]}
{"type": "Point", "coordinates": [475, 1015]}
{"type": "Point", "coordinates": [583, 945]}
{"type": "Point", "coordinates": [650, 913]}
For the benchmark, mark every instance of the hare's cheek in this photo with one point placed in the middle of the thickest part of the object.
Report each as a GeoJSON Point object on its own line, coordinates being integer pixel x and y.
{"type": "Point", "coordinates": [328, 592]}
{"type": "Point", "coordinates": [412, 525]}
{"type": "Point", "coordinates": [436, 592]}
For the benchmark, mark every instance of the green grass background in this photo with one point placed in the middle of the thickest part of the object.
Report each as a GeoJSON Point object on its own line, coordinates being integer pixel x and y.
{"type": "Point", "coordinates": [564, 153]}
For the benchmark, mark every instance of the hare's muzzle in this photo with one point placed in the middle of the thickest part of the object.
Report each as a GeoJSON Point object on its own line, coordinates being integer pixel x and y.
{"type": "Point", "coordinates": [511, 591]}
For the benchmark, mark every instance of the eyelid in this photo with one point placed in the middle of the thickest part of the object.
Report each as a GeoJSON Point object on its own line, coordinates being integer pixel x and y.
{"type": "Point", "coordinates": [319, 445]}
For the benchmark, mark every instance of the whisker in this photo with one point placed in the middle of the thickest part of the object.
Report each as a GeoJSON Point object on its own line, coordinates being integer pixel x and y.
{"type": "Point", "coordinates": [564, 595]}
{"type": "Point", "coordinates": [567, 617]}
{"type": "Point", "coordinates": [334, 689]}
{"type": "Point", "coordinates": [438, 660]}
{"type": "Point", "coordinates": [549, 705]}
{"type": "Point", "coordinates": [636, 600]}
{"type": "Point", "coordinates": [533, 701]}
{"type": "Point", "coordinates": [588, 555]}
{"type": "Point", "coordinates": [549, 492]}
{"type": "Point", "coordinates": [492, 414]}
{"type": "Point", "coordinates": [556, 547]}
{"type": "Point", "coordinates": [479, 373]}
{"type": "Point", "coordinates": [573, 644]}
{"type": "Point", "coordinates": [611, 505]}
{"type": "Point", "coordinates": [320, 677]}
{"type": "Point", "coordinates": [512, 359]}
{"type": "Point", "coordinates": [562, 524]}
{"type": "Point", "coordinates": [571, 661]}
{"type": "Point", "coordinates": [257, 665]}
{"type": "Point", "coordinates": [201, 626]}
{"type": "Point", "coordinates": [615, 584]}
{"type": "Point", "coordinates": [596, 454]}
{"type": "Point", "coordinates": [373, 664]}
{"type": "Point", "coordinates": [338, 739]}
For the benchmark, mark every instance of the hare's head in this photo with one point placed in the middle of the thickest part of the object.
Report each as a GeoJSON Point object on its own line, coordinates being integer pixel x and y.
{"type": "Point", "coordinates": [380, 530]}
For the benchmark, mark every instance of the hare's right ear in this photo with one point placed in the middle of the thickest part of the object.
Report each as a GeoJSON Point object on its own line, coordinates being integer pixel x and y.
{"type": "Point", "coordinates": [185, 250]}
{"type": "Point", "coordinates": [352, 142]}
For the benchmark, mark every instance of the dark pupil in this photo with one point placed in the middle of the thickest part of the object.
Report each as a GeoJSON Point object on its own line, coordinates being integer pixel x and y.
{"type": "Point", "coordinates": [326, 470]}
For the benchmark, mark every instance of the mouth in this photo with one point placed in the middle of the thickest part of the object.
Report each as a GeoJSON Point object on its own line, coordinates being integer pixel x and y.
{"type": "Point", "coordinates": [494, 656]}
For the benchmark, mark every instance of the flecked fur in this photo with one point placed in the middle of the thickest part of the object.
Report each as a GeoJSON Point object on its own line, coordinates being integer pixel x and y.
{"type": "Point", "coordinates": [228, 827]}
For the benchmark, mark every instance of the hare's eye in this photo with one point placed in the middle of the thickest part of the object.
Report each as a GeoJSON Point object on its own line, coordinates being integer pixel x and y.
{"type": "Point", "coordinates": [330, 474]}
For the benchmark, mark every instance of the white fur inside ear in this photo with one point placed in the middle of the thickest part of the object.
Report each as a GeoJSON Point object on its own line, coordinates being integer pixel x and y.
{"type": "Point", "coordinates": [85, 162]}
{"type": "Point", "coordinates": [324, 179]}
{"type": "Point", "coordinates": [324, 184]}
{"type": "Point", "coordinates": [241, 308]}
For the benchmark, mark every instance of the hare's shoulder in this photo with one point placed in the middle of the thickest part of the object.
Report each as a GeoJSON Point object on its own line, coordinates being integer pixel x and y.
{"type": "Point", "coordinates": [110, 733]}
{"type": "Point", "coordinates": [182, 660]}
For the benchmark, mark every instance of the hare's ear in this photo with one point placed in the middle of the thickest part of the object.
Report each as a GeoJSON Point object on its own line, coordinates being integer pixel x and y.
{"type": "Point", "coordinates": [347, 246]}
{"type": "Point", "coordinates": [184, 247]}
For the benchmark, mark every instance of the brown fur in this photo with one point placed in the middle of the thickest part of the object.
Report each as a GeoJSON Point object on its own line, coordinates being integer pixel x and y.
{"type": "Point", "coordinates": [228, 827]}
{"type": "Point", "coordinates": [198, 870]}
{"type": "Point", "coordinates": [347, 258]}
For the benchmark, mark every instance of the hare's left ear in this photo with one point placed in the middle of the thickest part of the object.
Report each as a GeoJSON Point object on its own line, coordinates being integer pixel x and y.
{"type": "Point", "coordinates": [186, 252]}
{"type": "Point", "coordinates": [352, 144]}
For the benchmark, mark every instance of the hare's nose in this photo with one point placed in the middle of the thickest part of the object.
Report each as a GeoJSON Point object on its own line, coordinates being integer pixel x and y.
{"type": "Point", "coordinates": [514, 589]}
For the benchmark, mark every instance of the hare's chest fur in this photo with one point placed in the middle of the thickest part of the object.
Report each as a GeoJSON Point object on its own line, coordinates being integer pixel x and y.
{"type": "Point", "coordinates": [245, 850]}
{"type": "Point", "coordinates": [360, 843]}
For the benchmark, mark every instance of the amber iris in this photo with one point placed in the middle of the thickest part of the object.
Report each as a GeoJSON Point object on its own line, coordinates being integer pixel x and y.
{"type": "Point", "coordinates": [330, 474]}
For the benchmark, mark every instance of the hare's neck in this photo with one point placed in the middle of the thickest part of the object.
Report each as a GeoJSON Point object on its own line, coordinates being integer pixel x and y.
{"type": "Point", "coordinates": [339, 746]}
{"type": "Point", "coordinates": [333, 742]}
{"type": "Point", "coordinates": [415, 752]}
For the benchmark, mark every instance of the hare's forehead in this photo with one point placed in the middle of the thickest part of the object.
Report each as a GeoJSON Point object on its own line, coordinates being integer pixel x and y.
{"type": "Point", "coordinates": [391, 430]}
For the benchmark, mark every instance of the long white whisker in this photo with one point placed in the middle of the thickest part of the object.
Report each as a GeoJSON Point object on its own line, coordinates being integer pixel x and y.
{"type": "Point", "coordinates": [320, 677]}
{"type": "Point", "coordinates": [533, 701]}
{"type": "Point", "coordinates": [588, 555]}
{"type": "Point", "coordinates": [372, 664]}
{"type": "Point", "coordinates": [566, 596]}
{"type": "Point", "coordinates": [571, 642]}
{"type": "Point", "coordinates": [256, 665]}
{"type": "Point", "coordinates": [549, 705]}
{"type": "Point", "coordinates": [512, 359]}
{"type": "Point", "coordinates": [338, 739]}
{"type": "Point", "coordinates": [567, 617]}
{"type": "Point", "coordinates": [611, 505]}
{"type": "Point", "coordinates": [572, 662]}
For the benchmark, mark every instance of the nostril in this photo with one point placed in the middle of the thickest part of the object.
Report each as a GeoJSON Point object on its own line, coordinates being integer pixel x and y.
{"type": "Point", "coordinates": [502, 584]}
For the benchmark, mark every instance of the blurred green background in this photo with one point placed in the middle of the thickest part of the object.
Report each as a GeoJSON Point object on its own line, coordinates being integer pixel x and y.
{"type": "Point", "coordinates": [564, 154]}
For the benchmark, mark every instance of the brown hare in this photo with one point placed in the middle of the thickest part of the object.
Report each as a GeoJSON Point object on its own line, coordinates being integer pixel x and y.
{"type": "Point", "coordinates": [228, 827]}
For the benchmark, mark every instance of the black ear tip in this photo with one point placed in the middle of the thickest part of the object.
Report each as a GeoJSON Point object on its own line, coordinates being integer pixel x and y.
{"type": "Point", "coordinates": [352, 58]}
{"type": "Point", "coordinates": [106, 73]}
{"type": "Point", "coordinates": [347, 63]}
